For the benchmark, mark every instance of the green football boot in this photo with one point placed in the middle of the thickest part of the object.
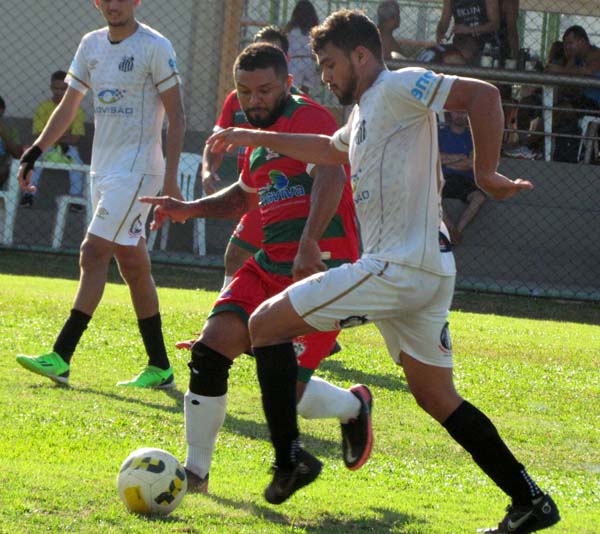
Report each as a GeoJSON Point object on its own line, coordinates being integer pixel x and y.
{"type": "Point", "coordinates": [152, 377]}
{"type": "Point", "coordinates": [50, 365]}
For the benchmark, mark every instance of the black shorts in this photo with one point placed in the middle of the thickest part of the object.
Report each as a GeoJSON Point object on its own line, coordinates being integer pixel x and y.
{"type": "Point", "coordinates": [458, 186]}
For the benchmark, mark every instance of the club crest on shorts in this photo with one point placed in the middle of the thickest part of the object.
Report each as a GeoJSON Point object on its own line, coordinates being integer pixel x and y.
{"type": "Point", "coordinates": [299, 346]}
{"type": "Point", "coordinates": [136, 227]}
{"type": "Point", "coordinates": [353, 320]}
{"type": "Point", "coordinates": [445, 342]}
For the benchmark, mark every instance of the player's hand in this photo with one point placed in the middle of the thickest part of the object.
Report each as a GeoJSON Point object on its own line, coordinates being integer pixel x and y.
{"type": "Point", "coordinates": [185, 345]}
{"type": "Point", "coordinates": [230, 139]}
{"type": "Point", "coordinates": [308, 260]}
{"type": "Point", "coordinates": [210, 182]}
{"type": "Point", "coordinates": [167, 208]}
{"type": "Point", "coordinates": [500, 187]}
{"type": "Point", "coordinates": [28, 160]}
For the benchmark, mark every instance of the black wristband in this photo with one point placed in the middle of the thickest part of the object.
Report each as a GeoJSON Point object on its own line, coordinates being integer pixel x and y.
{"type": "Point", "coordinates": [29, 158]}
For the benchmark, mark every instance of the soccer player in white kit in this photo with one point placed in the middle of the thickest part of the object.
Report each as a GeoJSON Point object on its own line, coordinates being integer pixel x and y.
{"type": "Point", "coordinates": [404, 281]}
{"type": "Point", "coordinates": [132, 72]}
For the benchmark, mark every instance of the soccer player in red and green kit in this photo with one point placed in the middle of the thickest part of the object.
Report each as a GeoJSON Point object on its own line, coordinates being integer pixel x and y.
{"type": "Point", "coordinates": [307, 230]}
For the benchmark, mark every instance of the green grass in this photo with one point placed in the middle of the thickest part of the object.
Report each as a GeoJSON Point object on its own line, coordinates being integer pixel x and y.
{"type": "Point", "coordinates": [531, 365]}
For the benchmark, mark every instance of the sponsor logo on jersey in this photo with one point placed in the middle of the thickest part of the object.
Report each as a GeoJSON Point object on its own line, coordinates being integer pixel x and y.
{"type": "Point", "coordinates": [126, 64]}
{"type": "Point", "coordinates": [136, 227]}
{"type": "Point", "coordinates": [109, 98]}
{"type": "Point", "coordinates": [92, 64]}
{"type": "Point", "coordinates": [423, 85]}
{"type": "Point", "coordinates": [173, 63]}
{"type": "Point", "coordinates": [279, 189]}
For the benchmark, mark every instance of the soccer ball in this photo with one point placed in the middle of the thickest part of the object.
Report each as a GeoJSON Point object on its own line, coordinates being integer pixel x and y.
{"type": "Point", "coordinates": [151, 481]}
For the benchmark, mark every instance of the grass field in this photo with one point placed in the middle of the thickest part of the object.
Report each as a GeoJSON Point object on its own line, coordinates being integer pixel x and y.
{"type": "Point", "coordinates": [531, 365]}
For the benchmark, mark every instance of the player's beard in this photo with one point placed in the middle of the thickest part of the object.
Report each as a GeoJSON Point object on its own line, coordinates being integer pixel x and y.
{"type": "Point", "coordinates": [271, 117]}
{"type": "Point", "coordinates": [346, 95]}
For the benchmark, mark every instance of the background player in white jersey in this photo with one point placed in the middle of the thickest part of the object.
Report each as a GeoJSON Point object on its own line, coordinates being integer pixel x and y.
{"type": "Point", "coordinates": [404, 281]}
{"type": "Point", "coordinates": [132, 72]}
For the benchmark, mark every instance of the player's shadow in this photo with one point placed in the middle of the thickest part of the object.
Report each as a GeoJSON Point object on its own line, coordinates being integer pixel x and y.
{"type": "Point", "coordinates": [385, 520]}
{"type": "Point", "coordinates": [258, 430]}
{"type": "Point", "coordinates": [393, 382]}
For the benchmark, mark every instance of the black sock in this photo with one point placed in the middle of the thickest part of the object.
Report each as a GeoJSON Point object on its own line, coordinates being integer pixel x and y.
{"type": "Point", "coordinates": [151, 330]}
{"type": "Point", "coordinates": [71, 333]}
{"type": "Point", "coordinates": [277, 370]}
{"type": "Point", "coordinates": [479, 437]}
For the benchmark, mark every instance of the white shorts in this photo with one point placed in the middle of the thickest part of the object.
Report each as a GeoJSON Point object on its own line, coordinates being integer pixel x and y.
{"type": "Point", "coordinates": [408, 306]}
{"type": "Point", "coordinates": [119, 216]}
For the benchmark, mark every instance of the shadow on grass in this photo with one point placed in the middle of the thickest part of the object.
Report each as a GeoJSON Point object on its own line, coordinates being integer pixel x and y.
{"type": "Point", "coordinates": [352, 374]}
{"type": "Point", "coordinates": [233, 424]}
{"type": "Point", "coordinates": [387, 520]}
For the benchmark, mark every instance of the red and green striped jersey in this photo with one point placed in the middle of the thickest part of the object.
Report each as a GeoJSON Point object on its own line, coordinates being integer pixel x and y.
{"type": "Point", "coordinates": [284, 189]}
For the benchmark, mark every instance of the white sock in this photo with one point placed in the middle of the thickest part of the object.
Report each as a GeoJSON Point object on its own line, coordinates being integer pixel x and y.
{"type": "Point", "coordinates": [322, 400]}
{"type": "Point", "coordinates": [226, 279]}
{"type": "Point", "coordinates": [204, 418]}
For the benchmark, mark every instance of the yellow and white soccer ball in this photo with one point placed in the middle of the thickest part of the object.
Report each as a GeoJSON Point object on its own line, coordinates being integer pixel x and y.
{"type": "Point", "coordinates": [151, 481]}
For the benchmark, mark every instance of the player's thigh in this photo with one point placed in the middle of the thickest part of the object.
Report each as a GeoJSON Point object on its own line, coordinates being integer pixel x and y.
{"type": "Point", "coordinates": [234, 342]}
{"type": "Point", "coordinates": [118, 214]}
{"type": "Point", "coordinates": [275, 321]}
{"type": "Point", "coordinates": [423, 333]}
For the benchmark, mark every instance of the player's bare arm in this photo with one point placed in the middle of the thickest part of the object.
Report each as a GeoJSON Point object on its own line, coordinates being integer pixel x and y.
{"type": "Point", "coordinates": [311, 148]}
{"type": "Point", "coordinates": [173, 103]}
{"type": "Point", "coordinates": [326, 193]}
{"type": "Point", "coordinates": [482, 102]}
{"type": "Point", "coordinates": [57, 125]}
{"type": "Point", "coordinates": [211, 161]}
{"type": "Point", "coordinates": [230, 203]}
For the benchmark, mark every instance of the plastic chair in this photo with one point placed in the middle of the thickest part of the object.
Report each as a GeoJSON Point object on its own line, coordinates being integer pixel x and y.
{"type": "Point", "coordinates": [589, 128]}
{"type": "Point", "coordinates": [64, 201]}
{"type": "Point", "coordinates": [10, 199]}
{"type": "Point", "coordinates": [188, 168]}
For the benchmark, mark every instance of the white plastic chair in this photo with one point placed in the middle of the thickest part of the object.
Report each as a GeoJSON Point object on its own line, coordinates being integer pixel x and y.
{"type": "Point", "coordinates": [64, 201]}
{"type": "Point", "coordinates": [188, 168]}
{"type": "Point", "coordinates": [10, 198]}
{"type": "Point", "coordinates": [589, 128]}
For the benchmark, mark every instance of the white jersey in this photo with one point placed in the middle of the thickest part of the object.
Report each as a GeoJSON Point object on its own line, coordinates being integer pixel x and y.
{"type": "Point", "coordinates": [126, 79]}
{"type": "Point", "coordinates": [391, 137]}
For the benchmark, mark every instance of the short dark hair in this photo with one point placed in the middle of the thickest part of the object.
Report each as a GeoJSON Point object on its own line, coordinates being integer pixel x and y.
{"type": "Point", "coordinates": [578, 32]}
{"type": "Point", "coordinates": [58, 75]}
{"type": "Point", "coordinates": [2, 103]}
{"type": "Point", "coordinates": [346, 29]}
{"type": "Point", "coordinates": [262, 56]}
{"type": "Point", "coordinates": [274, 35]}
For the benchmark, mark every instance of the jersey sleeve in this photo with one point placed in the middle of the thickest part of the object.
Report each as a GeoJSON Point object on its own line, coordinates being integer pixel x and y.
{"type": "Point", "coordinates": [78, 76]}
{"type": "Point", "coordinates": [341, 138]}
{"type": "Point", "coordinates": [225, 119]}
{"type": "Point", "coordinates": [163, 66]}
{"type": "Point", "coordinates": [418, 87]}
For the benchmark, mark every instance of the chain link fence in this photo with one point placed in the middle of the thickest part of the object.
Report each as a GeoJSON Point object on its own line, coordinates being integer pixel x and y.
{"type": "Point", "coordinates": [542, 243]}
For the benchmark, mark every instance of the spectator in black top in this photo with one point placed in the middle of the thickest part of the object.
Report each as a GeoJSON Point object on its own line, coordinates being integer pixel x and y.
{"type": "Point", "coordinates": [480, 18]}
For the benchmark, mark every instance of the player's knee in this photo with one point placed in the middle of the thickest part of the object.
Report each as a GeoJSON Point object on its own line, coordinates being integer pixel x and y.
{"type": "Point", "coordinates": [209, 371]}
{"type": "Point", "coordinates": [92, 256]}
